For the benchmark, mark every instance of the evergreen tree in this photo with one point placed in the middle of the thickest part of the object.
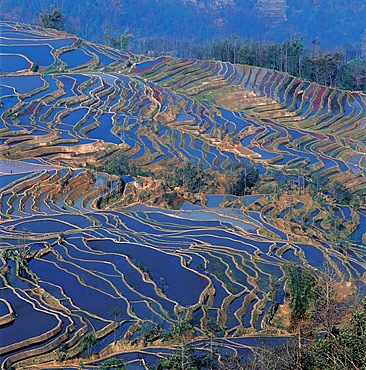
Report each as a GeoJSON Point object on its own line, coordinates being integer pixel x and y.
{"type": "Point", "coordinates": [54, 19]}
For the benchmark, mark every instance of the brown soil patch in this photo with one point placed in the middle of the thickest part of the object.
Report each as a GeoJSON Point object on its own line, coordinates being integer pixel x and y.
{"type": "Point", "coordinates": [281, 320]}
{"type": "Point", "coordinates": [236, 98]}
{"type": "Point", "coordinates": [245, 151]}
{"type": "Point", "coordinates": [343, 290]}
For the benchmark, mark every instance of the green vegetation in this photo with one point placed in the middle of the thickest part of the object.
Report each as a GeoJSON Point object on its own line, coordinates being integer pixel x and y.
{"type": "Point", "coordinates": [87, 342]}
{"type": "Point", "coordinates": [54, 19]}
{"type": "Point", "coordinates": [147, 333]}
{"type": "Point", "coordinates": [184, 358]}
{"type": "Point", "coordinates": [240, 179]}
{"type": "Point", "coordinates": [188, 176]}
{"type": "Point", "coordinates": [120, 42]}
{"type": "Point", "coordinates": [181, 332]}
{"type": "Point", "coordinates": [300, 287]}
{"type": "Point", "coordinates": [113, 363]}
{"type": "Point", "coordinates": [118, 164]}
{"type": "Point", "coordinates": [190, 361]}
{"type": "Point", "coordinates": [343, 348]}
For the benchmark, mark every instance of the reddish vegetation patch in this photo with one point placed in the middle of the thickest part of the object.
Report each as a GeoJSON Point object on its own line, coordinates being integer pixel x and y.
{"type": "Point", "coordinates": [86, 236]}
{"type": "Point", "coordinates": [31, 109]}
{"type": "Point", "coordinates": [310, 93]}
{"type": "Point", "coordinates": [156, 94]}
{"type": "Point", "coordinates": [319, 97]}
{"type": "Point", "coordinates": [320, 136]}
{"type": "Point", "coordinates": [212, 66]}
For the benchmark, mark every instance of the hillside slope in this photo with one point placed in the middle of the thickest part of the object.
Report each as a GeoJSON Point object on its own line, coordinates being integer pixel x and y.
{"type": "Point", "coordinates": [104, 279]}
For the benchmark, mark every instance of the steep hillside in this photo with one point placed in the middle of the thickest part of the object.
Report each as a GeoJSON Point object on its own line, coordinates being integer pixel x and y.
{"type": "Point", "coordinates": [93, 140]}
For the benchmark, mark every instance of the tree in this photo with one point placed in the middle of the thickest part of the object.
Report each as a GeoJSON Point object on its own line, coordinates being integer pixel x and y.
{"type": "Point", "coordinates": [87, 342]}
{"type": "Point", "coordinates": [300, 288]}
{"type": "Point", "coordinates": [324, 68]}
{"type": "Point", "coordinates": [116, 314]}
{"type": "Point", "coordinates": [121, 42]}
{"type": "Point", "coordinates": [339, 192]}
{"type": "Point", "coordinates": [213, 330]}
{"type": "Point", "coordinates": [353, 76]}
{"type": "Point", "coordinates": [174, 362]}
{"type": "Point", "coordinates": [182, 333]}
{"type": "Point", "coordinates": [119, 164]}
{"type": "Point", "coordinates": [231, 362]}
{"type": "Point", "coordinates": [113, 363]}
{"type": "Point", "coordinates": [328, 311]}
{"type": "Point", "coordinates": [344, 348]}
{"type": "Point", "coordinates": [242, 179]}
{"type": "Point", "coordinates": [193, 178]}
{"type": "Point", "coordinates": [286, 356]}
{"type": "Point", "coordinates": [55, 19]}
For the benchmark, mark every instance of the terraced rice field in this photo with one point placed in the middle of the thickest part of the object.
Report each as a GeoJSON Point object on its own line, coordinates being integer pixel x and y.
{"type": "Point", "coordinates": [75, 269]}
